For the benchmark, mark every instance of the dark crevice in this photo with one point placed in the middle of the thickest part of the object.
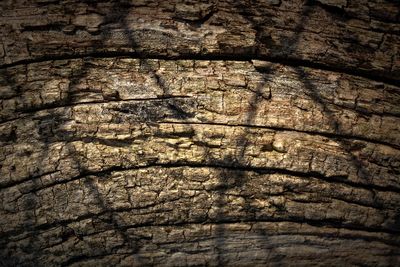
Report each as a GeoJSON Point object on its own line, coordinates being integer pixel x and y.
{"type": "Point", "coordinates": [43, 28]}
{"type": "Point", "coordinates": [66, 104]}
{"type": "Point", "coordinates": [29, 178]}
{"type": "Point", "coordinates": [384, 76]}
{"type": "Point", "coordinates": [263, 170]}
{"type": "Point", "coordinates": [334, 136]}
{"type": "Point", "coordinates": [196, 23]}
{"type": "Point", "coordinates": [241, 168]}
{"type": "Point", "coordinates": [292, 219]}
{"type": "Point", "coordinates": [371, 75]}
{"type": "Point", "coordinates": [338, 12]}
{"type": "Point", "coordinates": [366, 112]}
{"type": "Point", "coordinates": [82, 258]}
{"type": "Point", "coordinates": [334, 235]}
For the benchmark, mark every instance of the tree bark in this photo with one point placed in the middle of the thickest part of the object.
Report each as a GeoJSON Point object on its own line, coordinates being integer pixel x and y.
{"type": "Point", "coordinates": [174, 133]}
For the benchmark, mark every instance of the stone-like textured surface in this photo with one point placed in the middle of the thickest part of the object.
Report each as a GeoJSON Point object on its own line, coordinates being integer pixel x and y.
{"type": "Point", "coordinates": [360, 35]}
{"type": "Point", "coordinates": [199, 133]}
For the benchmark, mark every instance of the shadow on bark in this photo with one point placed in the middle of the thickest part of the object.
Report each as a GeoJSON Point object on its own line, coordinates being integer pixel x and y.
{"type": "Point", "coordinates": [243, 142]}
{"type": "Point", "coordinates": [237, 160]}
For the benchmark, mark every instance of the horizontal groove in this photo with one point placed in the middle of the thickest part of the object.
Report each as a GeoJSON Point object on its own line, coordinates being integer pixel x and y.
{"type": "Point", "coordinates": [316, 223]}
{"type": "Point", "coordinates": [392, 241]}
{"type": "Point", "coordinates": [262, 231]}
{"type": "Point", "coordinates": [325, 134]}
{"type": "Point", "coordinates": [61, 104]}
{"type": "Point", "coordinates": [366, 112]}
{"type": "Point", "coordinates": [107, 172]}
{"type": "Point", "coordinates": [274, 128]}
{"type": "Point", "coordinates": [261, 170]}
{"type": "Point", "coordinates": [293, 62]}
{"type": "Point", "coordinates": [295, 220]}
{"type": "Point", "coordinates": [81, 259]}
{"type": "Point", "coordinates": [30, 178]}
{"type": "Point", "coordinates": [66, 105]}
{"type": "Point", "coordinates": [27, 112]}
{"type": "Point", "coordinates": [237, 167]}
{"type": "Point", "coordinates": [348, 201]}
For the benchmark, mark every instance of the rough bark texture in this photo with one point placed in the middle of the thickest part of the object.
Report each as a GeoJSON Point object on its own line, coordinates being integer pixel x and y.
{"type": "Point", "coordinates": [177, 133]}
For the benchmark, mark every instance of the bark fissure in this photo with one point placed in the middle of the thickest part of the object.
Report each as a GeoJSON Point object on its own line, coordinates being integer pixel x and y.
{"type": "Point", "coordinates": [209, 133]}
{"type": "Point", "coordinates": [247, 58]}
{"type": "Point", "coordinates": [316, 223]}
{"type": "Point", "coordinates": [325, 134]}
{"type": "Point", "coordinates": [236, 167]}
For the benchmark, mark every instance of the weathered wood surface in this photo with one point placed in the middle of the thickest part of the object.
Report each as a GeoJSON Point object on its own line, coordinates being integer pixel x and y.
{"type": "Point", "coordinates": [358, 35]}
{"type": "Point", "coordinates": [214, 133]}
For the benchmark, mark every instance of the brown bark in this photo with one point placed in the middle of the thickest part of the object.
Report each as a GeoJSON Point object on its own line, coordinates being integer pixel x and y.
{"type": "Point", "coordinates": [172, 133]}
